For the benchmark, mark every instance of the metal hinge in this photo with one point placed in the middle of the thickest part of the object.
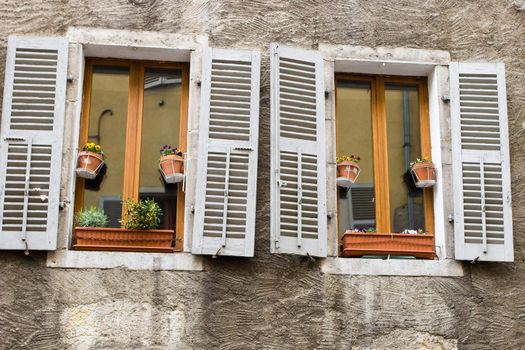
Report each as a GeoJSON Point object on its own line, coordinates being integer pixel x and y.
{"type": "Point", "coordinates": [282, 183]}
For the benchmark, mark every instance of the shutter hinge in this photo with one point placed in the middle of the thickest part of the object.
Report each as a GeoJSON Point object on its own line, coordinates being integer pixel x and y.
{"type": "Point", "coordinates": [276, 244]}
{"type": "Point", "coordinates": [26, 251]}
{"type": "Point", "coordinates": [450, 218]}
{"type": "Point", "coordinates": [445, 98]}
{"type": "Point", "coordinates": [282, 183]}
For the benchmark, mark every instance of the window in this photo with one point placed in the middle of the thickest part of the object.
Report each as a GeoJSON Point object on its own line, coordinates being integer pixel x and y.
{"type": "Point", "coordinates": [363, 98]}
{"type": "Point", "coordinates": [132, 109]}
{"type": "Point", "coordinates": [384, 121]}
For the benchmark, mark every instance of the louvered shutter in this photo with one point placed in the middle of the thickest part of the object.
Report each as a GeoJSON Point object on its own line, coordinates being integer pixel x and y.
{"type": "Point", "coordinates": [298, 166]}
{"type": "Point", "coordinates": [31, 142]}
{"type": "Point", "coordinates": [482, 202]}
{"type": "Point", "coordinates": [224, 222]}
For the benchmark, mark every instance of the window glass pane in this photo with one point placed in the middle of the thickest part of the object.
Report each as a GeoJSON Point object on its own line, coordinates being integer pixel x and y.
{"type": "Point", "coordinates": [160, 126]}
{"type": "Point", "coordinates": [354, 137]}
{"type": "Point", "coordinates": [404, 146]}
{"type": "Point", "coordinates": [107, 126]}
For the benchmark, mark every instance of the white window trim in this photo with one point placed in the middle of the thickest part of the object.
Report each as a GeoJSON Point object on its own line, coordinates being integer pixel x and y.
{"type": "Point", "coordinates": [94, 42]}
{"type": "Point", "coordinates": [401, 62]}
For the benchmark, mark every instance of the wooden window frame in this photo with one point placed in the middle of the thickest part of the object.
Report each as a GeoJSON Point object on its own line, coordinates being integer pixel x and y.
{"type": "Point", "coordinates": [380, 145]}
{"type": "Point", "coordinates": [134, 129]}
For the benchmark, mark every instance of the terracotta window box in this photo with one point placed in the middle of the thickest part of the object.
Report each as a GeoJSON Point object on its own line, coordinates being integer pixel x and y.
{"type": "Point", "coordinates": [121, 239]}
{"type": "Point", "coordinates": [357, 244]}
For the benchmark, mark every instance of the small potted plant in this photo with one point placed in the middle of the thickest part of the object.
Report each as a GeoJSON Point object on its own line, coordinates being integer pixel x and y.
{"type": "Point", "coordinates": [91, 217]}
{"type": "Point", "coordinates": [347, 170]}
{"type": "Point", "coordinates": [90, 161]}
{"type": "Point", "coordinates": [170, 164]}
{"type": "Point", "coordinates": [423, 172]}
{"type": "Point", "coordinates": [141, 215]}
{"type": "Point", "coordinates": [139, 233]}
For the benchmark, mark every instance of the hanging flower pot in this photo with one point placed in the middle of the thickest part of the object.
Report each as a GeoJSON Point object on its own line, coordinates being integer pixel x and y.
{"type": "Point", "coordinates": [424, 173]}
{"type": "Point", "coordinates": [90, 161]}
{"type": "Point", "coordinates": [347, 170]}
{"type": "Point", "coordinates": [171, 164]}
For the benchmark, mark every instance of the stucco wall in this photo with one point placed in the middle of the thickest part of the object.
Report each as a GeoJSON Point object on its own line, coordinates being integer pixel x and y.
{"type": "Point", "coordinates": [276, 301]}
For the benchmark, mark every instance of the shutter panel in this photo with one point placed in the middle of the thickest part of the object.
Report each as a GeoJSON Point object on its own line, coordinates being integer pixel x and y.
{"type": "Point", "coordinates": [482, 202]}
{"type": "Point", "coordinates": [31, 142]}
{"type": "Point", "coordinates": [224, 222]}
{"type": "Point", "coordinates": [298, 166]}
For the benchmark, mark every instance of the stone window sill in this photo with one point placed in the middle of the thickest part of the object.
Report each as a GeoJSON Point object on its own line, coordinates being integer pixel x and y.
{"type": "Point", "coordinates": [393, 267]}
{"type": "Point", "coordinates": [128, 260]}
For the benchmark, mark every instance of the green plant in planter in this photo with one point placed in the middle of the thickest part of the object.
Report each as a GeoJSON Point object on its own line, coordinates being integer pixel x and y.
{"type": "Point", "coordinates": [141, 215]}
{"type": "Point", "coordinates": [347, 158]}
{"type": "Point", "coordinates": [91, 217]}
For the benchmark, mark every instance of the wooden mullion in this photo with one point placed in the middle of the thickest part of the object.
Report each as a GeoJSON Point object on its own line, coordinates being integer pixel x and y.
{"type": "Point", "coordinates": [424, 129]}
{"type": "Point", "coordinates": [183, 134]}
{"type": "Point", "coordinates": [132, 144]}
{"type": "Point", "coordinates": [382, 193]}
{"type": "Point", "coordinates": [84, 130]}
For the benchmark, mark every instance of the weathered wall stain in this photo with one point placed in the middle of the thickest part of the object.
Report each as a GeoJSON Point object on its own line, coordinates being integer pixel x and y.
{"type": "Point", "coordinates": [271, 301]}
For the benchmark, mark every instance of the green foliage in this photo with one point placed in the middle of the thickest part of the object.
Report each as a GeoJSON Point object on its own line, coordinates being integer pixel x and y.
{"type": "Point", "coordinates": [346, 157]}
{"type": "Point", "coordinates": [422, 160]}
{"type": "Point", "coordinates": [91, 217]}
{"type": "Point", "coordinates": [142, 215]}
{"type": "Point", "coordinates": [167, 150]}
{"type": "Point", "coordinates": [93, 147]}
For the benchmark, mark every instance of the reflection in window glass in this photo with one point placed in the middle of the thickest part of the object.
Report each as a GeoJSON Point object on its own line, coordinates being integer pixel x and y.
{"type": "Point", "coordinates": [404, 146]}
{"type": "Point", "coordinates": [160, 126]}
{"type": "Point", "coordinates": [108, 111]}
{"type": "Point", "coordinates": [354, 136]}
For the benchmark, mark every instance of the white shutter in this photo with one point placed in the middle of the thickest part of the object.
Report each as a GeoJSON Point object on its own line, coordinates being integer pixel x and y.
{"type": "Point", "coordinates": [224, 222]}
{"type": "Point", "coordinates": [31, 142]}
{"type": "Point", "coordinates": [482, 202]}
{"type": "Point", "coordinates": [298, 166]}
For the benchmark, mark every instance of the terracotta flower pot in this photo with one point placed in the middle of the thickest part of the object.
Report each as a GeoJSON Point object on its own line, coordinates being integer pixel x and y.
{"type": "Point", "coordinates": [89, 164]}
{"type": "Point", "coordinates": [357, 244]}
{"type": "Point", "coordinates": [171, 168]}
{"type": "Point", "coordinates": [424, 174]}
{"type": "Point", "coordinates": [347, 172]}
{"type": "Point", "coordinates": [120, 239]}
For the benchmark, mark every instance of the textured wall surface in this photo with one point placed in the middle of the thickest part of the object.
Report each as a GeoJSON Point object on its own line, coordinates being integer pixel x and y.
{"type": "Point", "coordinates": [272, 301]}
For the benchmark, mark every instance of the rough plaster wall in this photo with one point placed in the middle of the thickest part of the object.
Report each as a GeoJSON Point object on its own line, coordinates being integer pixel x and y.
{"type": "Point", "coordinates": [277, 302]}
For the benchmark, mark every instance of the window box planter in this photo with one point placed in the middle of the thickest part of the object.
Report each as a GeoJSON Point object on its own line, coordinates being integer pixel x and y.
{"type": "Point", "coordinates": [356, 244]}
{"type": "Point", "coordinates": [121, 239]}
{"type": "Point", "coordinates": [89, 164]}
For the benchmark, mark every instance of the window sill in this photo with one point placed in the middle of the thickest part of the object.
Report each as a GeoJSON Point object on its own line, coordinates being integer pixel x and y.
{"type": "Point", "coordinates": [372, 267]}
{"type": "Point", "coordinates": [128, 260]}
